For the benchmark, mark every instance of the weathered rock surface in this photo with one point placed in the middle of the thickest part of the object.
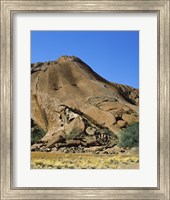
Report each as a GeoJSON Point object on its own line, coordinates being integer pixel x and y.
{"type": "Point", "coordinates": [78, 108]}
{"type": "Point", "coordinates": [121, 123]}
{"type": "Point", "coordinates": [130, 93]}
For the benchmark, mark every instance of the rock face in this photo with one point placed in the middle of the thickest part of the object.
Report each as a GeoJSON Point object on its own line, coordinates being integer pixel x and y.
{"type": "Point", "coordinates": [78, 108]}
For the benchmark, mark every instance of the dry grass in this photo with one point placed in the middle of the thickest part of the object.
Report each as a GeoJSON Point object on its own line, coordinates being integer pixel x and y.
{"type": "Point", "coordinates": [43, 160]}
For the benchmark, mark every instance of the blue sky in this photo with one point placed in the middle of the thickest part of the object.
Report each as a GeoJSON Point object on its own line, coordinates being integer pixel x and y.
{"type": "Point", "coordinates": [114, 55]}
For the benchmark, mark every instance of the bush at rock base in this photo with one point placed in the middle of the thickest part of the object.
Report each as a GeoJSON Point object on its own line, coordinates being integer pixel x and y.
{"type": "Point", "coordinates": [129, 136]}
{"type": "Point", "coordinates": [36, 134]}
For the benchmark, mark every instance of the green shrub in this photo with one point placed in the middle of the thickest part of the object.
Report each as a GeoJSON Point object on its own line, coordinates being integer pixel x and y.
{"type": "Point", "coordinates": [129, 136]}
{"type": "Point", "coordinates": [36, 134]}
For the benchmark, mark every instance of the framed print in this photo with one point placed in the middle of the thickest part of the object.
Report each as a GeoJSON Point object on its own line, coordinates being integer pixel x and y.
{"type": "Point", "coordinates": [88, 121]}
{"type": "Point", "coordinates": [85, 99]}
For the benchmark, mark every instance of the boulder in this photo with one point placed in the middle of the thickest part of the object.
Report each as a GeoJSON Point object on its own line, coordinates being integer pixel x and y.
{"type": "Point", "coordinates": [121, 123]}
{"type": "Point", "coordinates": [116, 149]}
{"type": "Point", "coordinates": [36, 146]}
{"type": "Point", "coordinates": [129, 118]}
{"type": "Point", "coordinates": [99, 116]}
{"type": "Point", "coordinates": [91, 142]}
{"type": "Point", "coordinates": [76, 124]}
{"type": "Point", "coordinates": [55, 139]}
{"type": "Point", "coordinates": [73, 143]}
{"type": "Point", "coordinates": [90, 130]}
{"type": "Point", "coordinates": [93, 149]}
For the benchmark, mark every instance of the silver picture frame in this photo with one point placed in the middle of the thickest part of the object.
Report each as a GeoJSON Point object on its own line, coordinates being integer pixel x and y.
{"type": "Point", "coordinates": [8, 10]}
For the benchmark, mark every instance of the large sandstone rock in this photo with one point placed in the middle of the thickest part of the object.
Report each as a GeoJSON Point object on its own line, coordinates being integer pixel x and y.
{"type": "Point", "coordinates": [67, 95]}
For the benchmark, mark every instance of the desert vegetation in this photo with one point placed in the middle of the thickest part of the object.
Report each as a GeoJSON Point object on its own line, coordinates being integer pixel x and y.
{"type": "Point", "coordinates": [82, 161]}
{"type": "Point", "coordinates": [36, 133]}
{"type": "Point", "coordinates": [130, 136]}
